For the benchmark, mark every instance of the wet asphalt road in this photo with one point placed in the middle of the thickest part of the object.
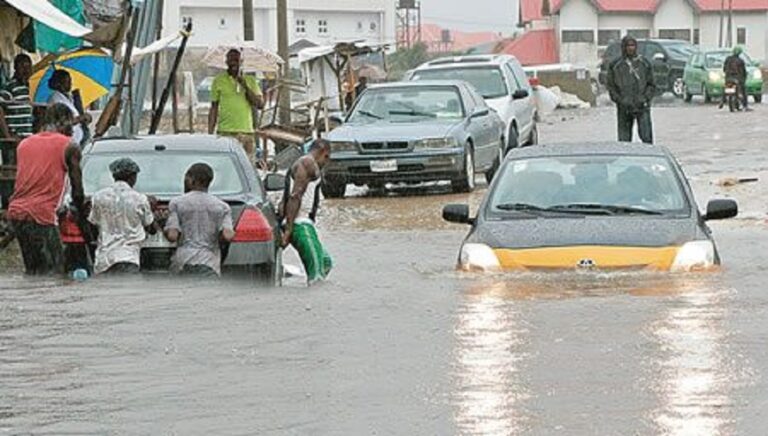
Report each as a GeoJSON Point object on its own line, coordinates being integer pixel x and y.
{"type": "Point", "coordinates": [396, 342]}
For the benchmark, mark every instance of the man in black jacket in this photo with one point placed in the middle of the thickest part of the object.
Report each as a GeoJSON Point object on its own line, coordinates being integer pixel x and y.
{"type": "Point", "coordinates": [735, 70]}
{"type": "Point", "coordinates": [631, 86]}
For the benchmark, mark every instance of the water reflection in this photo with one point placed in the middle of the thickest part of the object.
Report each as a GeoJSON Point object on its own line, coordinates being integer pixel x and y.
{"type": "Point", "coordinates": [693, 371]}
{"type": "Point", "coordinates": [490, 349]}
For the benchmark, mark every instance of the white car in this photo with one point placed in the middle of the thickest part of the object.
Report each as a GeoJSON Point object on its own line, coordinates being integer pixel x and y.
{"type": "Point", "coordinates": [501, 81]}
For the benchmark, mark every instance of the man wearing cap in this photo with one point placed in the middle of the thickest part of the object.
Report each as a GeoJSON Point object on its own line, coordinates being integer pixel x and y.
{"type": "Point", "coordinates": [233, 97]}
{"type": "Point", "coordinates": [123, 217]}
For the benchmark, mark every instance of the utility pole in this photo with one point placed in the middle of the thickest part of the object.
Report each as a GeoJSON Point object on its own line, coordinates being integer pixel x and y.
{"type": "Point", "coordinates": [248, 20]}
{"type": "Point", "coordinates": [730, 23]}
{"type": "Point", "coordinates": [722, 10]}
{"type": "Point", "coordinates": [282, 50]}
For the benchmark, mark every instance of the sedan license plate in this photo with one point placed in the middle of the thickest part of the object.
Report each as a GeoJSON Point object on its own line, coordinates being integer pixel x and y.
{"type": "Point", "coordinates": [384, 166]}
{"type": "Point", "coordinates": [157, 241]}
{"type": "Point", "coordinates": [730, 91]}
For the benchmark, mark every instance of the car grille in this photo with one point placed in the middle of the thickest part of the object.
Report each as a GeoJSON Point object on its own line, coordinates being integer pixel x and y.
{"type": "Point", "coordinates": [400, 169]}
{"type": "Point", "coordinates": [391, 145]}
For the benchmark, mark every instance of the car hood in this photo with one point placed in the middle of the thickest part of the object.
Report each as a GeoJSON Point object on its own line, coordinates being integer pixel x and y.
{"type": "Point", "coordinates": [605, 231]}
{"type": "Point", "coordinates": [383, 131]}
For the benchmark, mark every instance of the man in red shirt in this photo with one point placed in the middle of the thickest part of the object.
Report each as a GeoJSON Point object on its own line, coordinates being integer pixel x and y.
{"type": "Point", "coordinates": [44, 163]}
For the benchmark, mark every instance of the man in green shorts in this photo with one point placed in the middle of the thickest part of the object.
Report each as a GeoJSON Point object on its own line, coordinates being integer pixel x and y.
{"type": "Point", "coordinates": [299, 209]}
{"type": "Point", "coordinates": [233, 97]}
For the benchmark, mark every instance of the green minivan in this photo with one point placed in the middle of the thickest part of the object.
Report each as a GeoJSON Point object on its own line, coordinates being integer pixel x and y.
{"type": "Point", "coordinates": [703, 75]}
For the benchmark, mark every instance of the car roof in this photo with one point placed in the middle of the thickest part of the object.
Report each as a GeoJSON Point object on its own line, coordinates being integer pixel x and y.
{"type": "Point", "coordinates": [184, 142]}
{"type": "Point", "coordinates": [468, 60]}
{"type": "Point", "coordinates": [419, 84]}
{"type": "Point", "coordinates": [587, 148]}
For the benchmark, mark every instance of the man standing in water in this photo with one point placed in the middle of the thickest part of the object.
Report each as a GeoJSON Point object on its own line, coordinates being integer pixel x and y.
{"type": "Point", "coordinates": [233, 98]}
{"type": "Point", "coordinates": [631, 86]}
{"type": "Point", "coordinates": [299, 210]}
{"type": "Point", "coordinates": [44, 161]}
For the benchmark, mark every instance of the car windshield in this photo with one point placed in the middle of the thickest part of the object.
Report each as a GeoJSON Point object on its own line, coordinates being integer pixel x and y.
{"type": "Point", "coordinates": [681, 51]}
{"type": "Point", "coordinates": [407, 104]}
{"type": "Point", "coordinates": [717, 59]}
{"type": "Point", "coordinates": [488, 81]}
{"type": "Point", "coordinates": [589, 184]}
{"type": "Point", "coordinates": [163, 175]}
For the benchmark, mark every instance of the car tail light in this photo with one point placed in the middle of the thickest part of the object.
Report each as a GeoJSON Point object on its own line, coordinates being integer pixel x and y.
{"type": "Point", "coordinates": [534, 81]}
{"type": "Point", "coordinates": [69, 231]}
{"type": "Point", "coordinates": [252, 227]}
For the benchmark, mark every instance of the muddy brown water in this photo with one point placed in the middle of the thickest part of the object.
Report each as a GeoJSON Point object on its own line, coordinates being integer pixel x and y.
{"type": "Point", "coordinates": [397, 342]}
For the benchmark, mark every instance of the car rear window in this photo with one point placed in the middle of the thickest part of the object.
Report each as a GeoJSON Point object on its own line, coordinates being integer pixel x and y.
{"type": "Point", "coordinates": [162, 174]}
{"type": "Point", "coordinates": [488, 81]}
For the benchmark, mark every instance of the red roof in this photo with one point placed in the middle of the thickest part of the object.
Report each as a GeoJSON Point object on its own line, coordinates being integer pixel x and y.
{"type": "Point", "coordinates": [643, 6]}
{"type": "Point", "coordinates": [738, 5]}
{"type": "Point", "coordinates": [535, 47]}
{"type": "Point", "coordinates": [431, 35]}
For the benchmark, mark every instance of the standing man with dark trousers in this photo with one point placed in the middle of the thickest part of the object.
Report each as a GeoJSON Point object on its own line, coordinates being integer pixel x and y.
{"type": "Point", "coordinates": [631, 86]}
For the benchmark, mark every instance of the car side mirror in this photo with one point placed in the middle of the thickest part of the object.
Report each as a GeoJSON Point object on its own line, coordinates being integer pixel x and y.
{"type": "Point", "coordinates": [480, 112]}
{"type": "Point", "coordinates": [721, 209]}
{"type": "Point", "coordinates": [520, 93]}
{"type": "Point", "coordinates": [661, 57]}
{"type": "Point", "coordinates": [274, 182]}
{"type": "Point", "coordinates": [457, 213]}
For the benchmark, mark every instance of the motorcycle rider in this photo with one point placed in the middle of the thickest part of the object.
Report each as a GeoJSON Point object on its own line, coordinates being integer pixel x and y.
{"type": "Point", "coordinates": [736, 71]}
{"type": "Point", "coordinates": [631, 86]}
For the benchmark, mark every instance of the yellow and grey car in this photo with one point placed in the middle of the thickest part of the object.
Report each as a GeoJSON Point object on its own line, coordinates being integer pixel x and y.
{"type": "Point", "coordinates": [603, 206]}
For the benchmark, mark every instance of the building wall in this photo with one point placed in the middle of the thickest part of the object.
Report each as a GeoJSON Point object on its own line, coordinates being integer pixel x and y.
{"type": "Point", "coordinates": [756, 24]}
{"type": "Point", "coordinates": [673, 14]}
{"type": "Point", "coordinates": [578, 15]}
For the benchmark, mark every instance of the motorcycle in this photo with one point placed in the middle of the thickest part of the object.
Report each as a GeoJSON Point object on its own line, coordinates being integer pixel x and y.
{"type": "Point", "coordinates": [732, 95]}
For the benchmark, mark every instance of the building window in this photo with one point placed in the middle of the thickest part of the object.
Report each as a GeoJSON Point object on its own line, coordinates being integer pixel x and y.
{"type": "Point", "coordinates": [578, 36]}
{"type": "Point", "coordinates": [372, 26]}
{"type": "Point", "coordinates": [681, 34]}
{"type": "Point", "coordinates": [359, 26]}
{"type": "Point", "coordinates": [301, 26]}
{"type": "Point", "coordinates": [741, 35]}
{"type": "Point", "coordinates": [639, 33]}
{"type": "Point", "coordinates": [186, 21]}
{"type": "Point", "coordinates": [605, 37]}
{"type": "Point", "coordinates": [696, 37]}
{"type": "Point", "coordinates": [222, 23]}
{"type": "Point", "coordinates": [322, 27]}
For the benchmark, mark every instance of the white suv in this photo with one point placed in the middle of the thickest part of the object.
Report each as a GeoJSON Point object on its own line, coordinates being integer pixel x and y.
{"type": "Point", "coordinates": [501, 81]}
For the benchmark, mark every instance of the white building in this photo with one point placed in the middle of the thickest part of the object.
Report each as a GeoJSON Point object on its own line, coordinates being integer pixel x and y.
{"type": "Point", "coordinates": [584, 27]}
{"type": "Point", "coordinates": [321, 22]}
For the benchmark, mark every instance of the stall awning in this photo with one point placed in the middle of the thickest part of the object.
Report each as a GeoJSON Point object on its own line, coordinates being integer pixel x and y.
{"type": "Point", "coordinates": [51, 16]}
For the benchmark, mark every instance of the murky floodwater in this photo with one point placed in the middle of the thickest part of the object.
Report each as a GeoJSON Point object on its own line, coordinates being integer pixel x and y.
{"type": "Point", "coordinates": [396, 342]}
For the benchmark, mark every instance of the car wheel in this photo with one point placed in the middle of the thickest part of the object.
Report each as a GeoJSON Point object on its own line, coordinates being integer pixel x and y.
{"type": "Point", "coordinates": [707, 97]}
{"type": "Point", "coordinates": [533, 139]}
{"type": "Point", "coordinates": [758, 98]}
{"type": "Point", "coordinates": [687, 96]}
{"type": "Point", "coordinates": [491, 173]}
{"type": "Point", "coordinates": [513, 139]}
{"type": "Point", "coordinates": [678, 87]}
{"type": "Point", "coordinates": [466, 181]}
{"type": "Point", "coordinates": [333, 188]}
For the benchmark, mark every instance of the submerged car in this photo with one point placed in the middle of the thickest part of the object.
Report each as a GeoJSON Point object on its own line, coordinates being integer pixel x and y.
{"type": "Point", "coordinates": [704, 75]}
{"type": "Point", "coordinates": [420, 131]}
{"type": "Point", "coordinates": [590, 206]}
{"type": "Point", "coordinates": [163, 160]}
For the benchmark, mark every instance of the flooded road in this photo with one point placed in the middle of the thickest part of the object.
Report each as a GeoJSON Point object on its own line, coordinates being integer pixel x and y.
{"type": "Point", "coordinates": [397, 342]}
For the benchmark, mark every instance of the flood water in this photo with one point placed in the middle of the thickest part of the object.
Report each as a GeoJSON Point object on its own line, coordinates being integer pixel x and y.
{"type": "Point", "coordinates": [397, 342]}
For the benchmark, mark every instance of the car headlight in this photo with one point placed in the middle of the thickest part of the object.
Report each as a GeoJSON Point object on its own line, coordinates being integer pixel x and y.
{"type": "Point", "coordinates": [437, 143]}
{"type": "Point", "coordinates": [478, 257]}
{"type": "Point", "coordinates": [757, 74]}
{"type": "Point", "coordinates": [343, 146]}
{"type": "Point", "coordinates": [715, 76]}
{"type": "Point", "coordinates": [694, 256]}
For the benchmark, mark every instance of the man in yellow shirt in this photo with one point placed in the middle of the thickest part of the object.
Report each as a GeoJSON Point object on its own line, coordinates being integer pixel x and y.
{"type": "Point", "coordinates": [233, 97]}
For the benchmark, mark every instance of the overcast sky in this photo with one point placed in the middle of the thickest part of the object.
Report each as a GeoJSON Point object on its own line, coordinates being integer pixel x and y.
{"type": "Point", "coordinates": [471, 15]}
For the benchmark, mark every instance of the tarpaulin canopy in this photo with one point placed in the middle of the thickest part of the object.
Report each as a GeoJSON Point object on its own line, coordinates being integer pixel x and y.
{"type": "Point", "coordinates": [51, 16]}
{"type": "Point", "coordinates": [351, 48]}
{"type": "Point", "coordinates": [50, 40]}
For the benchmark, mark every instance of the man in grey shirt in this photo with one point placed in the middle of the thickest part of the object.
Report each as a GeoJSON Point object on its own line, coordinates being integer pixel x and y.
{"type": "Point", "coordinates": [197, 222]}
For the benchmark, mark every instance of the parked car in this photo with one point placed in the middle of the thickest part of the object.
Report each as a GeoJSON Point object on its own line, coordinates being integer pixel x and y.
{"type": "Point", "coordinates": [417, 131]}
{"type": "Point", "coordinates": [253, 253]}
{"type": "Point", "coordinates": [668, 57]}
{"type": "Point", "coordinates": [704, 75]}
{"type": "Point", "coordinates": [204, 90]}
{"type": "Point", "coordinates": [590, 206]}
{"type": "Point", "coordinates": [501, 81]}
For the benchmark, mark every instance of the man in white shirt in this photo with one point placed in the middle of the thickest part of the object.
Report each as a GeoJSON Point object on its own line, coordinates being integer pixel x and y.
{"type": "Point", "coordinates": [123, 217]}
{"type": "Point", "coordinates": [60, 84]}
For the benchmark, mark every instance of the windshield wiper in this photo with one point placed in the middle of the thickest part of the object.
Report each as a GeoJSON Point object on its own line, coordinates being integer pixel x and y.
{"type": "Point", "coordinates": [370, 114]}
{"type": "Point", "coordinates": [605, 208]}
{"type": "Point", "coordinates": [414, 113]}
{"type": "Point", "coordinates": [527, 207]}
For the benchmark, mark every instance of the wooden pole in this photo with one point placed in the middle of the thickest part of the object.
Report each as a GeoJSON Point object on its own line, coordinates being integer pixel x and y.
{"type": "Point", "coordinates": [722, 18]}
{"type": "Point", "coordinates": [282, 50]}
{"type": "Point", "coordinates": [158, 114]}
{"type": "Point", "coordinates": [175, 103]}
